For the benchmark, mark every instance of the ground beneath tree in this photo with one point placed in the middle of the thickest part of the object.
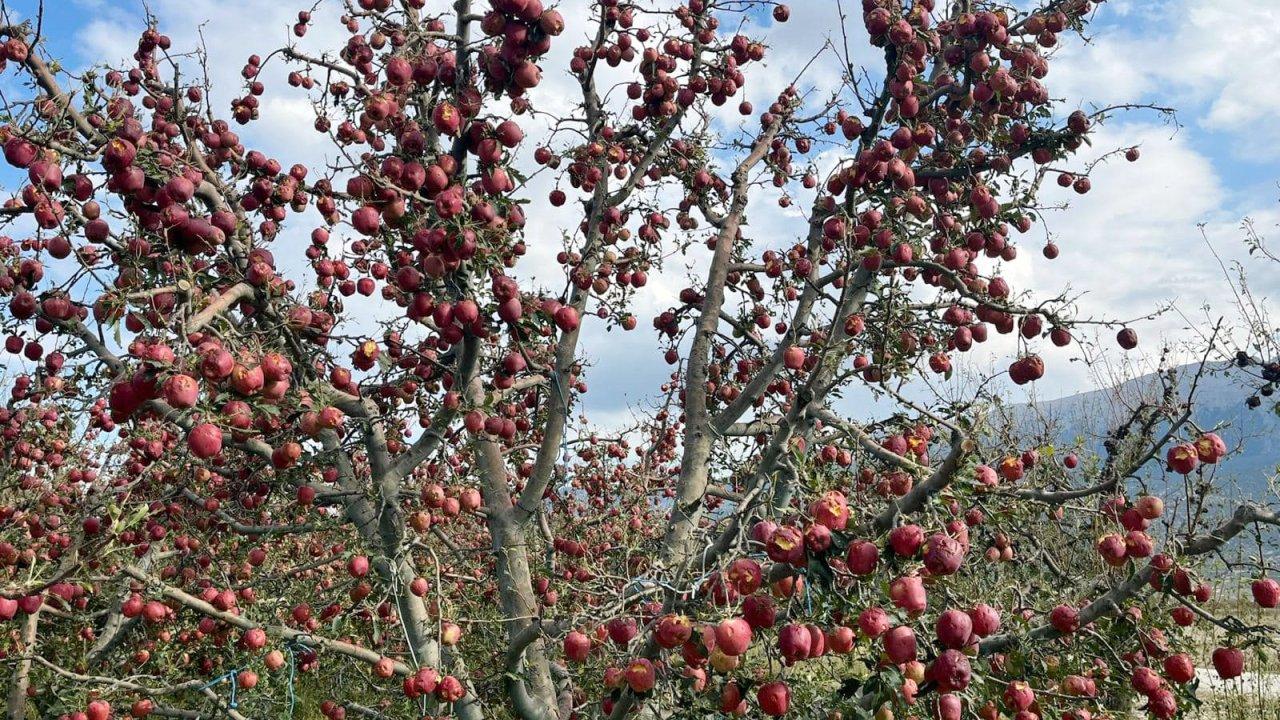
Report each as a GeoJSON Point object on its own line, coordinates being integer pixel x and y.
{"type": "Point", "coordinates": [1252, 695]}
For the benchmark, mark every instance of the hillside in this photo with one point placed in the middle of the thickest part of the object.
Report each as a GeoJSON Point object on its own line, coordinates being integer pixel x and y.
{"type": "Point", "coordinates": [1084, 419]}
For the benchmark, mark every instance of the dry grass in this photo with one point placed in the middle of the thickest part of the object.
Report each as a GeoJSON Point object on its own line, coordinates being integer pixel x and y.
{"type": "Point", "coordinates": [1256, 694]}
{"type": "Point", "coordinates": [1250, 696]}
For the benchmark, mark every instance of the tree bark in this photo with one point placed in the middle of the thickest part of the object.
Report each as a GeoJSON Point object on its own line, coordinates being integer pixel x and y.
{"type": "Point", "coordinates": [699, 435]}
{"type": "Point", "coordinates": [17, 705]}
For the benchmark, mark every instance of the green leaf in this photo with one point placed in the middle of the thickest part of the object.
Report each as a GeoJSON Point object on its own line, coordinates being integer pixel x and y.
{"type": "Point", "coordinates": [819, 571]}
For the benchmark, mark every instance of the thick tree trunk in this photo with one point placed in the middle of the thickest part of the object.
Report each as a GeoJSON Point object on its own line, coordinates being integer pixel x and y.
{"type": "Point", "coordinates": [699, 436]}
{"type": "Point", "coordinates": [383, 531]}
{"type": "Point", "coordinates": [515, 586]}
{"type": "Point", "coordinates": [17, 705]}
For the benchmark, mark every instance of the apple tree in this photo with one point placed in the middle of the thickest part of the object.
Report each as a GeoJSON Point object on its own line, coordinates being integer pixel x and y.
{"type": "Point", "coordinates": [304, 441]}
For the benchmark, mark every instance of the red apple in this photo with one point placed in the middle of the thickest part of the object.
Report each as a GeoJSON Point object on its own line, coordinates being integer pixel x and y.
{"type": "Point", "coordinates": [774, 698]}
{"type": "Point", "coordinates": [1229, 662]}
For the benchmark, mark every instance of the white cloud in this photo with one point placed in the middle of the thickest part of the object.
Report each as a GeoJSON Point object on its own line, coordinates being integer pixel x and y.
{"type": "Point", "coordinates": [1208, 59]}
{"type": "Point", "coordinates": [1135, 244]}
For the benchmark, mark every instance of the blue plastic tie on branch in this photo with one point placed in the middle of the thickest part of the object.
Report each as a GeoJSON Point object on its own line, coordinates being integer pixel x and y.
{"type": "Point", "coordinates": [292, 646]}
{"type": "Point", "coordinates": [568, 419]}
{"type": "Point", "coordinates": [293, 669]}
{"type": "Point", "coordinates": [231, 676]}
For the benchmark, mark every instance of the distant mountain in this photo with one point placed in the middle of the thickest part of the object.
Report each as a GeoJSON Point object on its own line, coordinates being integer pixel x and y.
{"type": "Point", "coordinates": [1219, 403]}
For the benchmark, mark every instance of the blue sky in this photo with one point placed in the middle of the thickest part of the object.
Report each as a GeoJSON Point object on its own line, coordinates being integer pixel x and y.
{"type": "Point", "coordinates": [1137, 241]}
